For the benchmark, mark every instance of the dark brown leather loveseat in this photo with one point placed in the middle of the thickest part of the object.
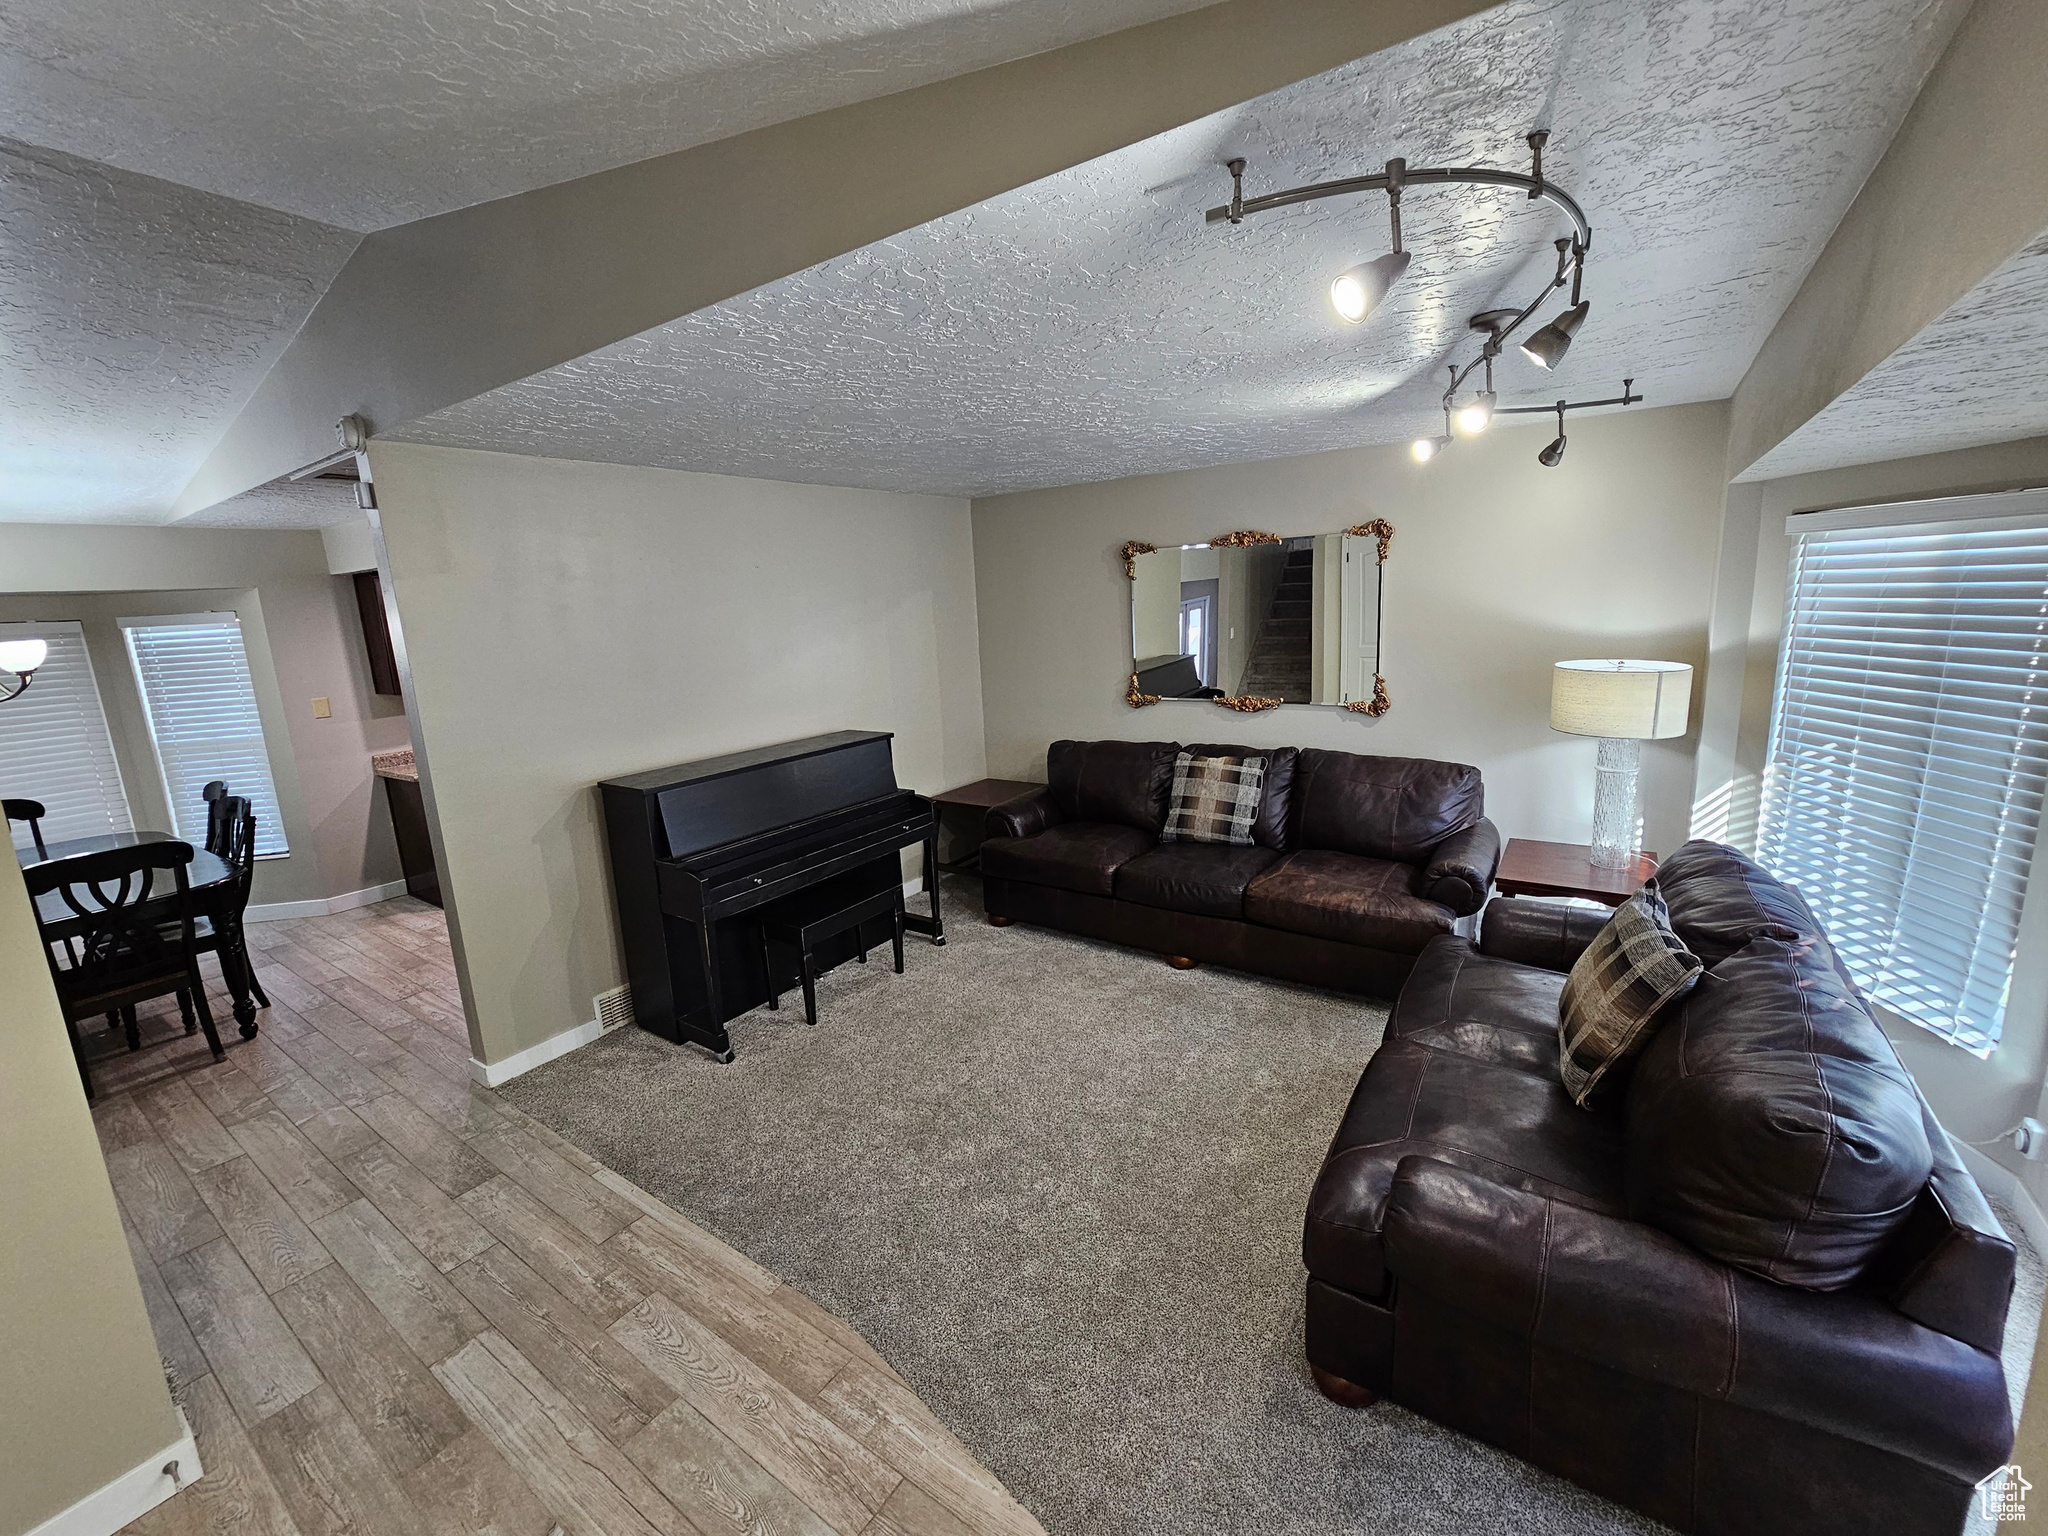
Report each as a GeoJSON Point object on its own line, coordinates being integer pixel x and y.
{"type": "Point", "coordinates": [1356, 862]}
{"type": "Point", "coordinates": [1755, 1292]}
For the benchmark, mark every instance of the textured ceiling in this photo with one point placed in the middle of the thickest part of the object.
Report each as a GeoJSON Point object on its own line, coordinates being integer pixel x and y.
{"type": "Point", "coordinates": [367, 113]}
{"type": "Point", "coordinates": [314, 503]}
{"type": "Point", "coordinates": [136, 317]}
{"type": "Point", "coordinates": [1974, 376]}
{"type": "Point", "coordinates": [1091, 326]}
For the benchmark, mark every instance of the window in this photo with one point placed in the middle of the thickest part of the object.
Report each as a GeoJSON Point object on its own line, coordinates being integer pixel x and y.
{"type": "Point", "coordinates": [1909, 742]}
{"type": "Point", "coordinates": [54, 745]}
{"type": "Point", "coordinates": [201, 705]}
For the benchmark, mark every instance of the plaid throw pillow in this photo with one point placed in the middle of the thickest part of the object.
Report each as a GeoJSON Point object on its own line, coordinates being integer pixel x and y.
{"type": "Point", "coordinates": [1633, 967]}
{"type": "Point", "coordinates": [1215, 799]}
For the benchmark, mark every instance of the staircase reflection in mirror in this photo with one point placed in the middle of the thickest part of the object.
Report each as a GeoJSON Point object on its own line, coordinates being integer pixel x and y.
{"type": "Point", "coordinates": [1295, 619]}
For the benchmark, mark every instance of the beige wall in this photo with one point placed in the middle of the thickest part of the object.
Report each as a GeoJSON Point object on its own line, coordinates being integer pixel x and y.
{"type": "Point", "coordinates": [304, 640]}
{"type": "Point", "coordinates": [1975, 1099]}
{"type": "Point", "coordinates": [82, 1394]}
{"type": "Point", "coordinates": [64, 557]}
{"type": "Point", "coordinates": [567, 622]}
{"type": "Point", "coordinates": [316, 643]}
{"type": "Point", "coordinates": [1500, 568]}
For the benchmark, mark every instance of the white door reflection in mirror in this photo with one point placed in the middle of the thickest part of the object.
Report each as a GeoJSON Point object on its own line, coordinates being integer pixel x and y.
{"type": "Point", "coordinates": [1360, 630]}
{"type": "Point", "coordinates": [1198, 631]}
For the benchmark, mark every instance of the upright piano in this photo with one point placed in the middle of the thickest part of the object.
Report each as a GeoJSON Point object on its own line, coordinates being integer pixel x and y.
{"type": "Point", "coordinates": [697, 847]}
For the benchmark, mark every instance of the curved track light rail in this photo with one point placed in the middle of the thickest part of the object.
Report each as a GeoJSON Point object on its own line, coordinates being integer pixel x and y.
{"type": "Point", "coordinates": [1241, 207]}
{"type": "Point", "coordinates": [1628, 396]}
{"type": "Point", "coordinates": [1358, 291]}
{"type": "Point", "coordinates": [1553, 454]}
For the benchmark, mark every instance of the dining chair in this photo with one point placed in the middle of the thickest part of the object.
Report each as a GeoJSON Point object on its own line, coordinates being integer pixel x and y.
{"type": "Point", "coordinates": [32, 812]}
{"type": "Point", "coordinates": [220, 930]}
{"type": "Point", "coordinates": [127, 913]}
{"type": "Point", "coordinates": [215, 794]}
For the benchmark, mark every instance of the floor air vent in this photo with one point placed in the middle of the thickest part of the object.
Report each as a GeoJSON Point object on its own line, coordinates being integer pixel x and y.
{"type": "Point", "coordinates": [614, 1007]}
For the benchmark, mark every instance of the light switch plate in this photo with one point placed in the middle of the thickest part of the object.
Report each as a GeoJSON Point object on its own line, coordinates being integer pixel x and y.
{"type": "Point", "coordinates": [321, 709]}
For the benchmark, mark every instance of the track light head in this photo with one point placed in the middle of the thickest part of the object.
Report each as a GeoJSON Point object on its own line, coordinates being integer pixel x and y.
{"type": "Point", "coordinates": [1356, 293]}
{"type": "Point", "coordinates": [1475, 417]}
{"type": "Point", "coordinates": [1546, 349]}
{"type": "Point", "coordinates": [1423, 449]}
{"type": "Point", "coordinates": [1550, 456]}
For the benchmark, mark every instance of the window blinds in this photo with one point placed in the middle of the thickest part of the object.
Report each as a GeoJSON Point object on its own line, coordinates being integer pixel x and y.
{"type": "Point", "coordinates": [54, 745]}
{"type": "Point", "coordinates": [202, 713]}
{"type": "Point", "coordinates": [1908, 748]}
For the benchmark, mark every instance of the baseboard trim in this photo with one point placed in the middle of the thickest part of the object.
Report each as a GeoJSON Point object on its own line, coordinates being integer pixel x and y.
{"type": "Point", "coordinates": [492, 1073]}
{"type": "Point", "coordinates": [131, 1495]}
{"type": "Point", "coordinates": [1994, 1178]}
{"type": "Point", "coordinates": [278, 911]}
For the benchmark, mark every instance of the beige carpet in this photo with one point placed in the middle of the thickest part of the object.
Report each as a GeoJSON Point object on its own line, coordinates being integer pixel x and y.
{"type": "Point", "coordinates": [1060, 1186]}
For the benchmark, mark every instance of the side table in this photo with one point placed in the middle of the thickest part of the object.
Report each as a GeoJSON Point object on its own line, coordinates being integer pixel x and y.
{"type": "Point", "coordinates": [981, 796]}
{"type": "Point", "coordinates": [1532, 868]}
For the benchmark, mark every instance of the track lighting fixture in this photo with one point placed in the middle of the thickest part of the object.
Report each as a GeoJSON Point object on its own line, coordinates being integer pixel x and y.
{"type": "Point", "coordinates": [1423, 449]}
{"type": "Point", "coordinates": [1355, 293]}
{"type": "Point", "coordinates": [1546, 349]}
{"type": "Point", "coordinates": [1476, 415]}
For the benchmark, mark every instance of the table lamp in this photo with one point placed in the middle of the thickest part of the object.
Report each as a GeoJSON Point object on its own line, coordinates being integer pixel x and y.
{"type": "Point", "coordinates": [1622, 703]}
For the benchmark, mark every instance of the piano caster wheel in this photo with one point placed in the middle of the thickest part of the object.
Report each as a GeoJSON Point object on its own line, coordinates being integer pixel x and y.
{"type": "Point", "coordinates": [721, 1056]}
{"type": "Point", "coordinates": [939, 942]}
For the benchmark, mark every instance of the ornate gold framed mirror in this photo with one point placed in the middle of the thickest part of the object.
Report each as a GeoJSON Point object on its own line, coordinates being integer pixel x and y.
{"type": "Point", "coordinates": [1249, 620]}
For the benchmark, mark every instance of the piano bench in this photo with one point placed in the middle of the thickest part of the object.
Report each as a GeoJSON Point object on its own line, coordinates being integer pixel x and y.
{"type": "Point", "coordinates": [806, 919]}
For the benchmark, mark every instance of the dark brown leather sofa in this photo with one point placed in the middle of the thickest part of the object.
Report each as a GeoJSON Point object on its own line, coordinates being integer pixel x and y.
{"type": "Point", "coordinates": [1755, 1292]}
{"type": "Point", "coordinates": [1356, 863]}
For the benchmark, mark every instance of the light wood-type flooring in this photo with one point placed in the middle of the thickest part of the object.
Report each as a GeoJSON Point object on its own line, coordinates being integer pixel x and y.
{"type": "Point", "coordinates": [395, 1306]}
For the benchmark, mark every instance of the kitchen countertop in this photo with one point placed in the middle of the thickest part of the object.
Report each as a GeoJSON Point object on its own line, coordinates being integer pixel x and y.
{"type": "Point", "coordinates": [395, 765]}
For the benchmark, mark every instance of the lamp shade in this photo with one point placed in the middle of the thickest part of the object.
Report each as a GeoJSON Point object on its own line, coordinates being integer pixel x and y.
{"type": "Point", "coordinates": [1643, 699]}
{"type": "Point", "coordinates": [22, 655]}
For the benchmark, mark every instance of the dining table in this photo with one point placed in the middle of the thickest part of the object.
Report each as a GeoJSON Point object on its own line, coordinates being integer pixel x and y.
{"type": "Point", "coordinates": [209, 877]}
